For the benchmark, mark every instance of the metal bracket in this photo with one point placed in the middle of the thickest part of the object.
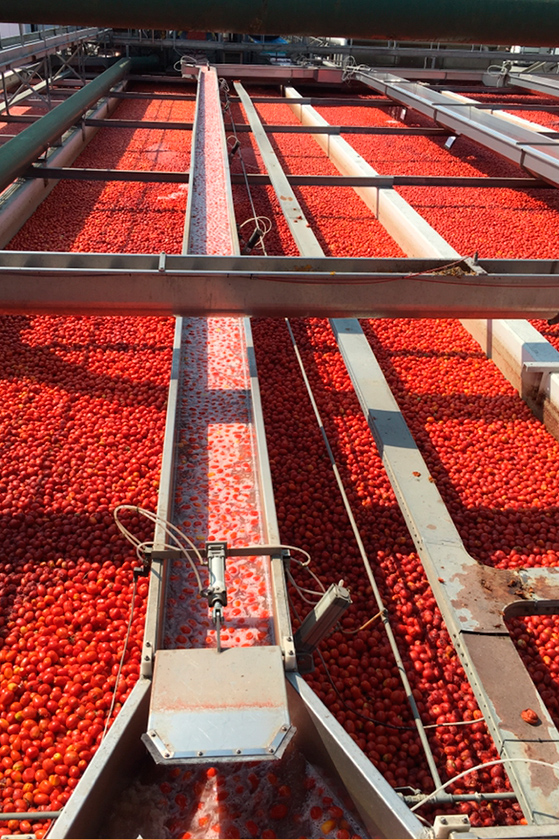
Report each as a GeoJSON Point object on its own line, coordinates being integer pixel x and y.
{"type": "Point", "coordinates": [289, 655]}
{"type": "Point", "coordinates": [443, 827]}
{"type": "Point", "coordinates": [319, 623]}
{"type": "Point", "coordinates": [544, 369]}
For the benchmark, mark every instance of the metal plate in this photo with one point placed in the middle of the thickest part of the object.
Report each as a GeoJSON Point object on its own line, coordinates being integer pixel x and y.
{"type": "Point", "coordinates": [229, 705]}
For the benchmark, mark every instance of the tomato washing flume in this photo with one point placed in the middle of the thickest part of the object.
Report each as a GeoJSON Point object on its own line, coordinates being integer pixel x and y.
{"type": "Point", "coordinates": [103, 383]}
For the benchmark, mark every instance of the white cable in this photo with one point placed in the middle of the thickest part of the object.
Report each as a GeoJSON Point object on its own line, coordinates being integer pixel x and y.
{"type": "Point", "coordinates": [257, 219]}
{"type": "Point", "coordinates": [300, 591]}
{"type": "Point", "coordinates": [481, 767]}
{"type": "Point", "coordinates": [257, 549]}
{"type": "Point", "coordinates": [178, 538]}
{"type": "Point", "coordinates": [121, 663]}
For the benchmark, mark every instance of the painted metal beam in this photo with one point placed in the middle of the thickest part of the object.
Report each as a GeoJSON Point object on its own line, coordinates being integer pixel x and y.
{"type": "Point", "coordinates": [69, 173]}
{"type": "Point", "coordinates": [18, 154]}
{"type": "Point", "coordinates": [471, 21]}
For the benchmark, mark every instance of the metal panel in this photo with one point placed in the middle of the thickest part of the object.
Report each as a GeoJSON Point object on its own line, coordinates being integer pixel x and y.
{"type": "Point", "coordinates": [278, 286]}
{"type": "Point", "coordinates": [282, 619]}
{"type": "Point", "coordinates": [543, 85]}
{"type": "Point", "coordinates": [165, 498]}
{"type": "Point", "coordinates": [471, 597]}
{"type": "Point", "coordinates": [207, 705]}
{"type": "Point", "coordinates": [108, 771]}
{"type": "Point", "coordinates": [328, 745]}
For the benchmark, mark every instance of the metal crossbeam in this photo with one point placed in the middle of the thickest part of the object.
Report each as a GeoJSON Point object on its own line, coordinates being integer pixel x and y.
{"type": "Point", "coordinates": [276, 129]}
{"type": "Point", "coordinates": [513, 142]}
{"type": "Point", "coordinates": [274, 286]}
{"type": "Point", "coordinates": [255, 179]}
{"type": "Point", "coordinates": [150, 97]}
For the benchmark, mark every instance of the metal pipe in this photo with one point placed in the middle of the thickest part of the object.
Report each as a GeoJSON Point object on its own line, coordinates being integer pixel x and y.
{"type": "Point", "coordinates": [30, 815]}
{"type": "Point", "coordinates": [530, 22]}
{"type": "Point", "coordinates": [18, 154]}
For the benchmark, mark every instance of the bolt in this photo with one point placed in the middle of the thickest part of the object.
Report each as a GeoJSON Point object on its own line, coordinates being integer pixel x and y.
{"type": "Point", "coordinates": [443, 820]}
{"type": "Point", "coordinates": [284, 728]}
{"type": "Point", "coordinates": [200, 753]}
{"type": "Point", "coordinates": [152, 733]}
{"type": "Point", "coordinates": [148, 644]}
{"type": "Point", "coordinates": [166, 755]}
{"type": "Point", "coordinates": [271, 750]}
{"type": "Point", "coordinates": [289, 638]}
{"type": "Point", "coordinates": [146, 658]}
{"type": "Point", "coordinates": [291, 652]}
{"type": "Point", "coordinates": [238, 752]}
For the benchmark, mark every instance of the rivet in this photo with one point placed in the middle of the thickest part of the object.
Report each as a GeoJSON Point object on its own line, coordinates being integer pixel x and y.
{"type": "Point", "coordinates": [166, 755]}
{"type": "Point", "coordinates": [271, 750]}
{"type": "Point", "coordinates": [200, 753]}
{"type": "Point", "coordinates": [284, 728]}
{"type": "Point", "coordinates": [238, 752]}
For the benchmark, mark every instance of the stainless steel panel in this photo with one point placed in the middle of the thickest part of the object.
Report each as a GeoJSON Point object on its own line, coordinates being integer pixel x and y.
{"type": "Point", "coordinates": [210, 705]}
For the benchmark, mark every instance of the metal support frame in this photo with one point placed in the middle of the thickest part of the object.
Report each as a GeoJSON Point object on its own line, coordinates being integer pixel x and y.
{"type": "Point", "coordinates": [440, 547]}
{"type": "Point", "coordinates": [275, 286]}
{"type": "Point", "coordinates": [472, 598]}
{"type": "Point", "coordinates": [18, 154]}
{"type": "Point", "coordinates": [541, 371]}
{"type": "Point", "coordinates": [534, 152]}
{"type": "Point", "coordinates": [414, 235]}
{"type": "Point", "coordinates": [38, 48]}
{"type": "Point", "coordinates": [42, 172]}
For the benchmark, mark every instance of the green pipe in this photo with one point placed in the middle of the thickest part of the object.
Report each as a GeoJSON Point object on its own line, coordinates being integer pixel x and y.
{"type": "Point", "coordinates": [19, 153]}
{"type": "Point", "coordinates": [529, 22]}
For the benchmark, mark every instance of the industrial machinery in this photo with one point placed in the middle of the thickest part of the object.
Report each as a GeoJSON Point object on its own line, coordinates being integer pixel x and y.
{"type": "Point", "coordinates": [221, 708]}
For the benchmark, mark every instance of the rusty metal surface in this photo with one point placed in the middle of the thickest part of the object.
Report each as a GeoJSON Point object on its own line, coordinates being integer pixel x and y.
{"type": "Point", "coordinates": [473, 599]}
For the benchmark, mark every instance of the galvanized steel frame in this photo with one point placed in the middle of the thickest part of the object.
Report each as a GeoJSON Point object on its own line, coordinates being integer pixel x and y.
{"type": "Point", "coordinates": [39, 47]}
{"type": "Point", "coordinates": [275, 286]}
{"type": "Point", "coordinates": [536, 153]}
